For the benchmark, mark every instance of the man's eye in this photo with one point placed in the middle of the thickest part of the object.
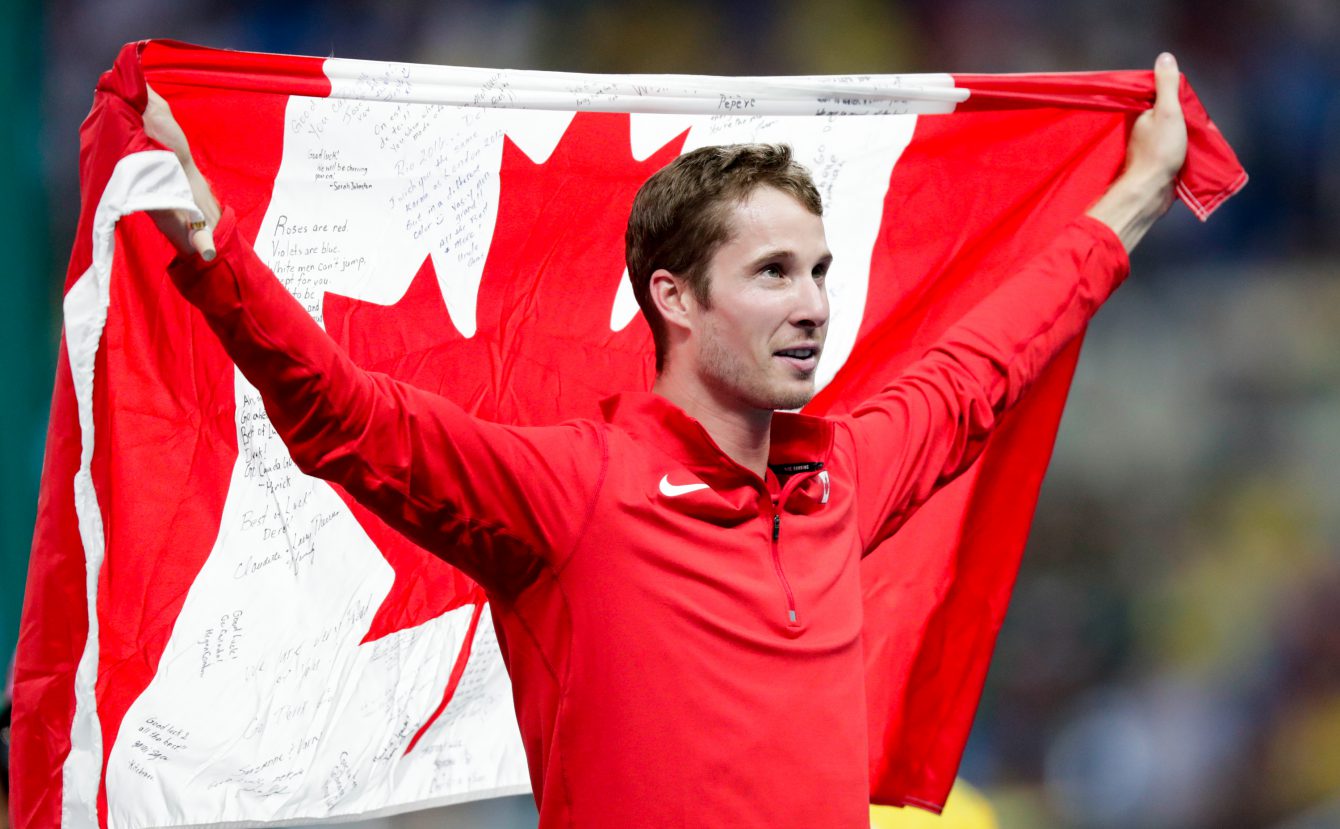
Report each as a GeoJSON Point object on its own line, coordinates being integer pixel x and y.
{"type": "Point", "coordinates": [772, 270]}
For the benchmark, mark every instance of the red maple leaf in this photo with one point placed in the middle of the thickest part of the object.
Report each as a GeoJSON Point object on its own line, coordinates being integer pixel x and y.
{"type": "Point", "coordinates": [543, 350]}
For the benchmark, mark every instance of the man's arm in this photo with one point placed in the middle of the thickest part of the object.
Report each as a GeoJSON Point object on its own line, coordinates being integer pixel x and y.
{"type": "Point", "coordinates": [186, 236]}
{"type": "Point", "coordinates": [933, 421]}
{"type": "Point", "coordinates": [499, 502]}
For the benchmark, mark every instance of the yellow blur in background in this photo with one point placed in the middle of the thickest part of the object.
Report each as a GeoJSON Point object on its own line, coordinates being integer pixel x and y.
{"type": "Point", "coordinates": [966, 808]}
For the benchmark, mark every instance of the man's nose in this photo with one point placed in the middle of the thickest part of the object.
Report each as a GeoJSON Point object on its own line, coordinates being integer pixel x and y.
{"type": "Point", "coordinates": [811, 308]}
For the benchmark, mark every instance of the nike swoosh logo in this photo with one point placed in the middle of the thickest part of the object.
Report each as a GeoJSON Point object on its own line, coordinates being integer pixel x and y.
{"type": "Point", "coordinates": [670, 490]}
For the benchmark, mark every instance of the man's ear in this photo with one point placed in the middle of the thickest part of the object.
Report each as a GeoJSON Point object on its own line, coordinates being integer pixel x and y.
{"type": "Point", "coordinates": [673, 297]}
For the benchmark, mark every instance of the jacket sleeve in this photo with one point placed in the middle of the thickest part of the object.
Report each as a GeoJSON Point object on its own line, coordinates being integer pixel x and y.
{"type": "Point", "coordinates": [496, 501]}
{"type": "Point", "coordinates": [933, 420]}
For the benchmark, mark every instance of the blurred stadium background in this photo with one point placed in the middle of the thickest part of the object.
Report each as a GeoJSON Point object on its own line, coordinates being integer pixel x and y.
{"type": "Point", "coordinates": [1172, 655]}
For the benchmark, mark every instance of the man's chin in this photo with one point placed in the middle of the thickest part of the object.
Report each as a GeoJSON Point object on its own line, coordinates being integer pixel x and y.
{"type": "Point", "coordinates": [764, 390]}
{"type": "Point", "coordinates": [793, 397]}
{"type": "Point", "coordinates": [794, 403]}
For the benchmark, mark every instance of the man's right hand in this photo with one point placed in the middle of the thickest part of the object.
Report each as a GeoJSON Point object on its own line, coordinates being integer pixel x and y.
{"type": "Point", "coordinates": [186, 235]}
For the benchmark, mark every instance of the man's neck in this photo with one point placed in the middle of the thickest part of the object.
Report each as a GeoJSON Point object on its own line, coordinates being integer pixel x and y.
{"type": "Point", "coordinates": [744, 433]}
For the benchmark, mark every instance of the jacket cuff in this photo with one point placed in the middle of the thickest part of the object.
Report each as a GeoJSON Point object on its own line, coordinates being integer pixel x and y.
{"type": "Point", "coordinates": [1108, 243]}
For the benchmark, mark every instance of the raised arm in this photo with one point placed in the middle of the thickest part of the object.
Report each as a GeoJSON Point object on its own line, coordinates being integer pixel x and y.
{"type": "Point", "coordinates": [499, 502]}
{"type": "Point", "coordinates": [933, 421]}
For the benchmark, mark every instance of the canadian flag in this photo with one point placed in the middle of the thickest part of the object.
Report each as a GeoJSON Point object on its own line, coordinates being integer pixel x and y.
{"type": "Point", "coordinates": [212, 638]}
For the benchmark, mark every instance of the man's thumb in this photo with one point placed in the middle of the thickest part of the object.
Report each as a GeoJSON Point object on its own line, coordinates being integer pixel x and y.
{"type": "Point", "coordinates": [203, 242]}
{"type": "Point", "coordinates": [1166, 82]}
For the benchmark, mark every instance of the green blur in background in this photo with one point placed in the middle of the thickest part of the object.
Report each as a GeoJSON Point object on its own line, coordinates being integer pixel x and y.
{"type": "Point", "coordinates": [27, 317]}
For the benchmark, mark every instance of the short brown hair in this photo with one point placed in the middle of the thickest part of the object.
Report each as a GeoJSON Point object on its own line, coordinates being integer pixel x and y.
{"type": "Point", "coordinates": [681, 215]}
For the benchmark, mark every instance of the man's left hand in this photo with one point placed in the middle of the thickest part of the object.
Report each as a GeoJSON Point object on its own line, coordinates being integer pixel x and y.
{"type": "Point", "coordinates": [1154, 155]}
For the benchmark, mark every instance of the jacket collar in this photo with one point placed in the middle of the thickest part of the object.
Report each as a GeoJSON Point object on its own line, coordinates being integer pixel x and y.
{"type": "Point", "coordinates": [796, 438]}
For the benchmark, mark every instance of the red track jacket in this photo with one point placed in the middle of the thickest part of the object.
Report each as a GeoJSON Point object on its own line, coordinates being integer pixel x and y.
{"type": "Point", "coordinates": [684, 638]}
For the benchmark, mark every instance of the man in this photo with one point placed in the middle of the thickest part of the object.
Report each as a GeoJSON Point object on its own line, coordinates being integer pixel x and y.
{"type": "Point", "coordinates": [676, 589]}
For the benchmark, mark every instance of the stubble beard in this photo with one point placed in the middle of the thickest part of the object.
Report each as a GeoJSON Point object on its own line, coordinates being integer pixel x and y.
{"type": "Point", "coordinates": [725, 370]}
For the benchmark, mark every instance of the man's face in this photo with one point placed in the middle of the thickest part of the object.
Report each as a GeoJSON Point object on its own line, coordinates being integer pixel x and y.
{"type": "Point", "coordinates": [758, 341]}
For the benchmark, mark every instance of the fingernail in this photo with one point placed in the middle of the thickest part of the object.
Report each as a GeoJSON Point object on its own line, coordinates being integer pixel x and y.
{"type": "Point", "coordinates": [1166, 58]}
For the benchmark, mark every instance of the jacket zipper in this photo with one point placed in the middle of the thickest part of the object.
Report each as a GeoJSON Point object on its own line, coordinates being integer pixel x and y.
{"type": "Point", "coordinates": [792, 615]}
{"type": "Point", "coordinates": [777, 562]}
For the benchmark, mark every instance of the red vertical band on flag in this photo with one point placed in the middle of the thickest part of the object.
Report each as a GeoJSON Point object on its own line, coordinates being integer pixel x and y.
{"type": "Point", "coordinates": [139, 598]}
{"type": "Point", "coordinates": [177, 455]}
{"type": "Point", "coordinates": [54, 627]}
{"type": "Point", "coordinates": [962, 212]}
{"type": "Point", "coordinates": [1212, 172]}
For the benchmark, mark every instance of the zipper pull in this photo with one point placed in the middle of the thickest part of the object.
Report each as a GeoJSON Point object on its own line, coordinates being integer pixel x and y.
{"type": "Point", "coordinates": [776, 525]}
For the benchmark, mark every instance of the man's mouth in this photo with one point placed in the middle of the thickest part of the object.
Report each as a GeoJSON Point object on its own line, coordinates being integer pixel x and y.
{"type": "Point", "coordinates": [805, 358]}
